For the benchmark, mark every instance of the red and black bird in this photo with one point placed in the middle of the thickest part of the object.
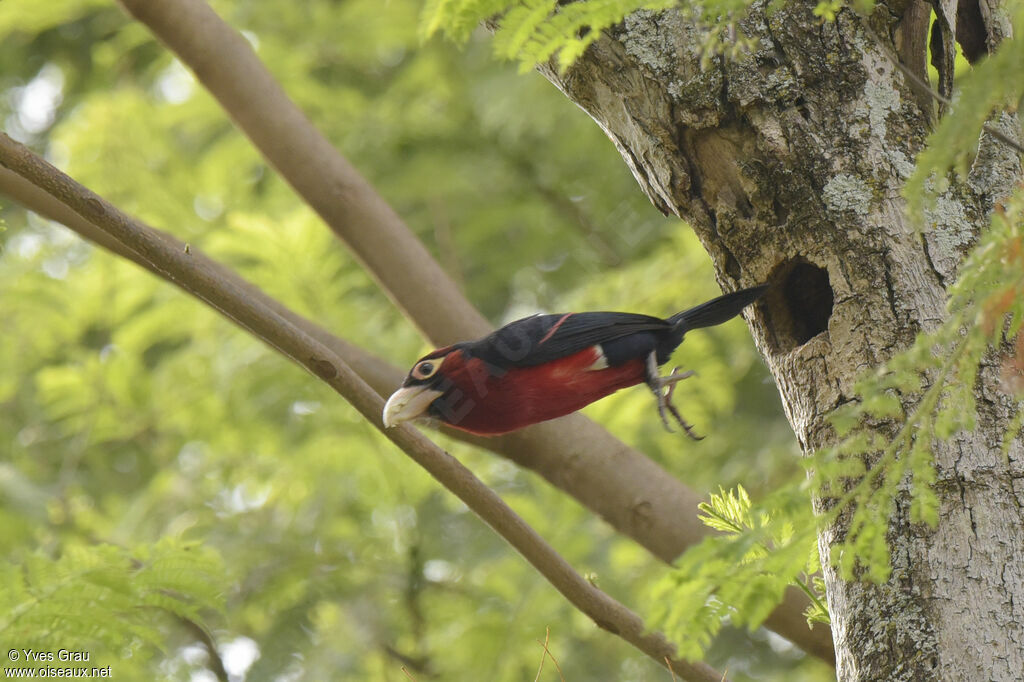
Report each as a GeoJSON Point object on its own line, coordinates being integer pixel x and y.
{"type": "Point", "coordinates": [546, 366]}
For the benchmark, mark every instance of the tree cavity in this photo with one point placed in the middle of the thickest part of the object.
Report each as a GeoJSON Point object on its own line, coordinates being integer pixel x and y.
{"type": "Point", "coordinates": [799, 303]}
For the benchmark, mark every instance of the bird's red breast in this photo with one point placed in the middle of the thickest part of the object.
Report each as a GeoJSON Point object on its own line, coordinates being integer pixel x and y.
{"type": "Point", "coordinates": [546, 366]}
{"type": "Point", "coordinates": [486, 401]}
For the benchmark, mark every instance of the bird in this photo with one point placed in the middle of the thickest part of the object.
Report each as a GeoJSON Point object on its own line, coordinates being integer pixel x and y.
{"type": "Point", "coordinates": [546, 366]}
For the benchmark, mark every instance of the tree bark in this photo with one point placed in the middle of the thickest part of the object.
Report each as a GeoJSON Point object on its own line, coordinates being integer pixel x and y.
{"type": "Point", "coordinates": [788, 162]}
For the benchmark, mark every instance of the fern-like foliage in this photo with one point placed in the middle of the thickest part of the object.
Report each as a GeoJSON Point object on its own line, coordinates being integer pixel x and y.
{"type": "Point", "coordinates": [534, 31]}
{"type": "Point", "coordinates": [740, 576]}
{"type": "Point", "coordinates": [106, 597]}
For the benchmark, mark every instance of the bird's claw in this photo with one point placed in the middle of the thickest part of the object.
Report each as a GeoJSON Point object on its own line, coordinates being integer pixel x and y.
{"type": "Point", "coordinates": [663, 388]}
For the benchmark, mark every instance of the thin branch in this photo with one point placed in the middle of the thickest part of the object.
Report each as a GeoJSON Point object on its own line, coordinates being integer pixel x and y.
{"type": "Point", "coordinates": [216, 662]}
{"type": "Point", "coordinates": [420, 664]}
{"type": "Point", "coordinates": [547, 654]}
{"type": "Point", "coordinates": [177, 266]}
{"type": "Point", "coordinates": [623, 486]}
{"type": "Point", "coordinates": [543, 658]}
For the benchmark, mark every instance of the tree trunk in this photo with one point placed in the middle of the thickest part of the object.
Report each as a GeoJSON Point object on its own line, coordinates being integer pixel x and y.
{"type": "Point", "coordinates": [788, 162]}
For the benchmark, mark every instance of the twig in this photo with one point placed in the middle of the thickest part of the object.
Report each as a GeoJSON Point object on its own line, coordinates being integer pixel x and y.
{"type": "Point", "coordinates": [543, 656]}
{"type": "Point", "coordinates": [420, 664]}
{"type": "Point", "coordinates": [547, 654]}
{"type": "Point", "coordinates": [216, 662]}
{"type": "Point", "coordinates": [606, 475]}
{"type": "Point", "coordinates": [937, 96]}
{"type": "Point", "coordinates": [249, 313]}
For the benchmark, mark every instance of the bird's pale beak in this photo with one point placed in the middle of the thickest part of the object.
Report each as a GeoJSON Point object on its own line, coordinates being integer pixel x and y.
{"type": "Point", "coordinates": [408, 403]}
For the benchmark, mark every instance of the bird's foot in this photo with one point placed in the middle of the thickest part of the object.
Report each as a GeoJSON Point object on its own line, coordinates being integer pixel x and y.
{"type": "Point", "coordinates": [663, 388]}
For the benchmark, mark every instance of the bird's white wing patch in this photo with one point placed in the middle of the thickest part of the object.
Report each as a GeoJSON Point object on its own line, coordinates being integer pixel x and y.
{"type": "Point", "coordinates": [601, 362]}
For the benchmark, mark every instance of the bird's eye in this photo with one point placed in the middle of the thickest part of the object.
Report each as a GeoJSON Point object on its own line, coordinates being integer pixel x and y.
{"type": "Point", "coordinates": [424, 370]}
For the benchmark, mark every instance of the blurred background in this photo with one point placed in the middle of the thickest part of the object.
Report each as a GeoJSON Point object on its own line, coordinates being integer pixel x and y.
{"type": "Point", "coordinates": [130, 414]}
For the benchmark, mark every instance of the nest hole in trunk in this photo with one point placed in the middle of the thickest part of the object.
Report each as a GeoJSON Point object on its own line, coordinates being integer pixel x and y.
{"type": "Point", "coordinates": [799, 303]}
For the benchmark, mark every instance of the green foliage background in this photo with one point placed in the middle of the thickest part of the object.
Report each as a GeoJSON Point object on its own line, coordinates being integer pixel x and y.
{"type": "Point", "coordinates": [165, 478]}
{"type": "Point", "coordinates": [159, 467]}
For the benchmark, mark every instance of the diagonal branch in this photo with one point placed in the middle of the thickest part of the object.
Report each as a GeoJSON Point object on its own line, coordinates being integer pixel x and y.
{"type": "Point", "coordinates": [234, 302]}
{"type": "Point", "coordinates": [381, 375]}
{"type": "Point", "coordinates": [622, 485]}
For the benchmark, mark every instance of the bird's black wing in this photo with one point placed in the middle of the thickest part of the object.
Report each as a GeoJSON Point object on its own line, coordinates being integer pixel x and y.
{"type": "Point", "coordinates": [539, 339]}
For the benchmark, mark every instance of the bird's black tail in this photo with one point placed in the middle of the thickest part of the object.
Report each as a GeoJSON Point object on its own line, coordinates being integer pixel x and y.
{"type": "Point", "coordinates": [716, 311]}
